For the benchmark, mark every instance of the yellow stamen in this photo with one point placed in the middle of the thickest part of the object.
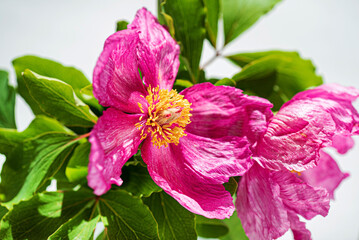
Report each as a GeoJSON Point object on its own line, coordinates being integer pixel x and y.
{"type": "Point", "coordinates": [168, 115]}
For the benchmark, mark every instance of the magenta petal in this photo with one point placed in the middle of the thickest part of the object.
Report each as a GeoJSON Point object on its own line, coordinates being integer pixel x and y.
{"type": "Point", "coordinates": [221, 111]}
{"type": "Point", "coordinates": [158, 52]}
{"type": "Point", "coordinates": [114, 139]}
{"type": "Point", "coordinates": [116, 80]}
{"type": "Point", "coordinates": [342, 143]}
{"type": "Point", "coordinates": [300, 197]}
{"type": "Point", "coordinates": [300, 232]}
{"type": "Point", "coordinates": [259, 206]}
{"type": "Point", "coordinates": [193, 171]}
{"type": "Point", "coordinates": [327, 174]}
{"type": "Point", "coordinates": [306, 124]}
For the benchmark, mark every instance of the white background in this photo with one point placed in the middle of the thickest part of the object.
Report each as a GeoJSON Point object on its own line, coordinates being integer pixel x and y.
{"type": "Point", "coordinates": [326, 31]}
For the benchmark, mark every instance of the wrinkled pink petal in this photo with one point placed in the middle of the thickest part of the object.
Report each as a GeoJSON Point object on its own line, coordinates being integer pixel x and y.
{"type": "Point", "coordinates": [114, 139]}
{"type": "Point", "coordinates": [116, 80]}
{"type": "Point", "coordinates": [158, 52]}
{"type": "Point", "coordinates": [342, 143]}
{"type": "Point", "coordinates": [306, 124]}
{"type": "Point", "coordinates": [300, 197]}
{"type": "Point", "coordinates": [327, 174]}
{"type": "Point", "coordinates": [266, 201]}
{"type": "Point", "coordinates": [193, 171]}
{"type": "Point", "coordinates": [259, 205]}
{"type": "Point", "coordinates": [300, 232]}
{"type": "Point", "coordinates": [221, 111]}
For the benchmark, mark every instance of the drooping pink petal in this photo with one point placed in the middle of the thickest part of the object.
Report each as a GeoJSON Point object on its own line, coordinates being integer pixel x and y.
{"type": "Point", "coordinates": [114, 139]}
{"type": "Point", "coordinates": [259, 205]}
{"type": "Point", "coordinates": [193, 171]}
{"type": "Point", "coordinates": [300, 232]}
{"type": "Point", "coordinates": [116, 79]}
{"type": "Point", "coordinates": [158, 52]}
{"type": "Point", "coordinates": [221, 111]}
{"type": "Point", "coordinates": [300, 197]}
{"type": "Point", "coordinates": [342, 143]}
{"type": "Point", "coordinates": [327, 174]}
{"type": "Point", "coordinates": [306, 124]}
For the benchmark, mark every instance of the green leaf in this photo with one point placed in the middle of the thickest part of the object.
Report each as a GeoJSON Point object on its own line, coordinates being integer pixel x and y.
{"type": "Point", "coordinates": [174, 221]}
{"type": "Point", "coordinates": [236, 231]}
{"type": "Point", "coordinates": [33, 157]}
{"type": "Point", "coordinates": [76, 170]}
{"type": "Point", "coordinates": [7, 102]}
{"type": "Point", "coordinates": [138, 182]}
{"type": "Point", "coordinates": [180, 84]}
{"type": "Point", "coordinates": [231, 186]}
{"type": "Point", "coordinates": [81, 226]}
{"type": "Point", "coordinates": [242, 59]}
{"type": "Point", "coordinates": [239, 15]}
{"type": "Point", "coordinates": [75, 78]}
{"type": "Point", "coordinates": [43, 214]}
{"type": "Point", "coordinates": [56, 99]}
{"type": "Point", "coordinates": [88, 98]}
{"type": "Point", "coordinates": [277, 77]}
{"type": "Point", "coordinates": [226, 81]}
{"type": "Point", "coordinates": [210, 228]}
{"type": "Point", "coordinates": [126, 217]}
{"type": "Point", "coordinates": [121, 25]}
{"type": "Point", "coordinates": [212, 15]}
{"type": "Point", "coordinates": [189, 27]}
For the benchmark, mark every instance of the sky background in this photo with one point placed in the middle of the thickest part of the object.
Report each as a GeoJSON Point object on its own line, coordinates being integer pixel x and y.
{"type": "Point", "coordinates": [325, 31]}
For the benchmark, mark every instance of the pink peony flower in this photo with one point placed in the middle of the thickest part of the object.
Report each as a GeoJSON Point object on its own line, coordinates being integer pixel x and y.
{"type": "Point", "coordinates": [270, 195]}
{"type": "Point", "coordinates": [185, 137]}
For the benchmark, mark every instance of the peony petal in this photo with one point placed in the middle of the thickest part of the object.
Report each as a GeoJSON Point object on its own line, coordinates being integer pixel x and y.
{"type": "Point", "coordinates": [342, 143]}
{"type": "Point", "coordinates": [300, 197]}
{"type": "Point", "coordinates": [114, 139]}
{"type": "Point", "coordinates": [327, 174]}
{"type": "Point", "coordinates": [116, 80]}
{"type": "Point", "coordinates": [221, 111]}
{"type": "Point", "coordinates": [300, 232]}
{"type": "Point", "coordinates": [259, 206]}
{"type": "Point", "coordinates": [306, 124]}
{"type": "Point", "coordinates": [158, 52]}
{"type": "Point", "coordinates": [193, 171]}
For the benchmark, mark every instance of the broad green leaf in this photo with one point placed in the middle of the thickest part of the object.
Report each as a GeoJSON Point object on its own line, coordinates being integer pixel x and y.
{"type": "Point", "coordinates": [26, 168]}
{"type": "Point", "coordinates": [174, 221]}
{"type": "Point", "coordinates": [137, 181]}
{"type": "Point", "coordinates": [10, 138]}
{"type": "Point", "coordinates": [88, 98]}
{"type": "Point", "coordinates": [103, 235]}
{"type": "Point", "coordinates": [236, 231]}
{"type": "Point", "coordinates": [126, 217]}
{"type": "Point", "coordinates": [212, 8]}
{"type": "Point", "coordinates": [80, 227]}
{"type": "Point", "coordinates": [56, 99]}
{"type": "Point", "coordinates": [210, 228]}
{"type": "Point", "coordinates": [242, 59]}
{"type": "Point", "coordinates": [121, 25]}
{"type": "Point", "coordinates": [7, 102]}
{"type": "Point", "coordinates": [43, 214]}
{"type": "Point", "coordinates": [76, 169]}
{"type": "Point", "coordinates": [75, 78]}
{"type": "Point", "coordinates": [239, 15]}
{"type": "Point", "coordinates": [189, 27]}
{"type": "Point", "coordinates": [277, 77]}
{"type": "Point", "coordinates": [231, 186]}
{"type": "Point", "coordinates": [32, 157]}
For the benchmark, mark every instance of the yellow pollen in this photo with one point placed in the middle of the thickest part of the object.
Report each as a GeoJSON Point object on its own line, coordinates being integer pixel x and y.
{"type": "Point", "coordinates": [298, 173]}
{"type": "Point", "coordinates": [168, 115]}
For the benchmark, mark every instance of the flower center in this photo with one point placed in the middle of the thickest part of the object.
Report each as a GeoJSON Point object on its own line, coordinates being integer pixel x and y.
{"type": "Point", "coordinates": [168, 115]}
